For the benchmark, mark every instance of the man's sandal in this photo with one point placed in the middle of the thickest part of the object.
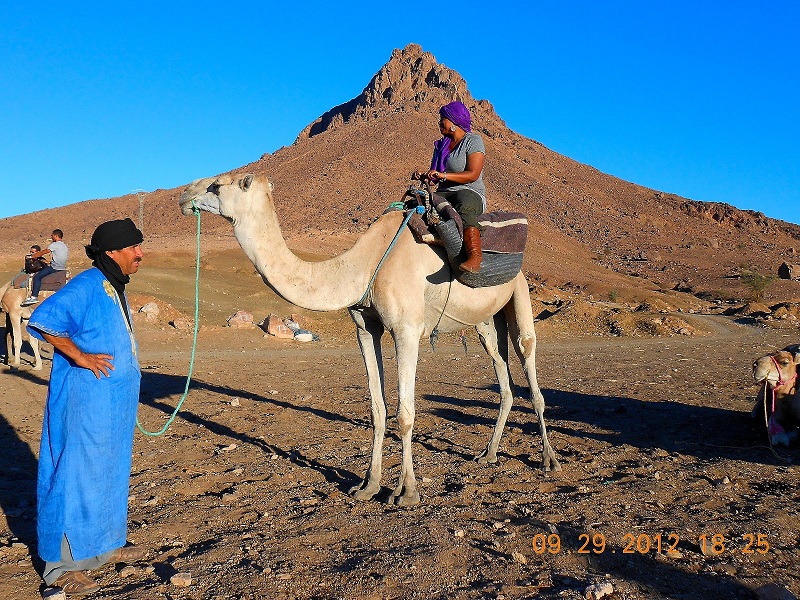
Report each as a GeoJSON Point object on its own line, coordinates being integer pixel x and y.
{"type": "Point", "coordinates": [76, 583]}
{"type": "Point", "coordinates": [127, 554]}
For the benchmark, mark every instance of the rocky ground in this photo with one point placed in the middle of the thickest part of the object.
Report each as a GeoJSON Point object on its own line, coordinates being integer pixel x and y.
{"type": "Point", "coordinates": [668, 487]}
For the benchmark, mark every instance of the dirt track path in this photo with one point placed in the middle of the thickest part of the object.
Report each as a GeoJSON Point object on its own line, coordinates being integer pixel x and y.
{"type": "Point", "coordinates": [247, 491]}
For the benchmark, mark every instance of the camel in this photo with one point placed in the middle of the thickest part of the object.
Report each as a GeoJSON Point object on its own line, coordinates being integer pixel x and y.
{"type": "Point", "coordinates": [777, 373]}
{"type": "Point", "coordinates": [10, 299]}
{"type": "Point", "coordinates": [413, 294]}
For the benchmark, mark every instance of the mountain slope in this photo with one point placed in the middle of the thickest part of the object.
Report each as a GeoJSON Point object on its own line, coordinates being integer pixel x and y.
{"type": "Point", "coordinates": [589, 230]}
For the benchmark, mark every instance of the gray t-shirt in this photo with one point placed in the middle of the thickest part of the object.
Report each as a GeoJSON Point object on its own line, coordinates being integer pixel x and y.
{"type": "Point", "coordinates": [457, 163]}
{"type": "Point", "coordinates": [60, 254]}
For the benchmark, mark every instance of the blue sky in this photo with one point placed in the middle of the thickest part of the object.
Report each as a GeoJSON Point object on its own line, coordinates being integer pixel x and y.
{"type": "Point", "coordinates": [699, 99]}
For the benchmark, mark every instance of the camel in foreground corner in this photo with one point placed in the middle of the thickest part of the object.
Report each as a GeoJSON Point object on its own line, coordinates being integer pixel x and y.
{"type": "Point", "coordinates": [777, 373]}
{"type": "Point", "coordinates": [10, 299]}
{"type": "Point", "coordinates": [414, 293]}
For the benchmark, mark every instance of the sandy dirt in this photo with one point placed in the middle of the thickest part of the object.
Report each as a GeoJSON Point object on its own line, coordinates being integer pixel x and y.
{"type": "Point", "coordinates": [247, 491]}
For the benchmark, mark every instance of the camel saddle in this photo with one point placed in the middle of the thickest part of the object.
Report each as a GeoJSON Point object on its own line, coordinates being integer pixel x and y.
{"type": "Point", "coordinates": [50, 283]}
{"type": "Point", "coordinates": [503, 237]}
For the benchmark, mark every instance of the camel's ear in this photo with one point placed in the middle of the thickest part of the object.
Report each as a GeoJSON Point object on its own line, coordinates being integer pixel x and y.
{"type": "Point", "coordinates": [245, 182]}
{"type": "Point", "coordinates": [795, 351]}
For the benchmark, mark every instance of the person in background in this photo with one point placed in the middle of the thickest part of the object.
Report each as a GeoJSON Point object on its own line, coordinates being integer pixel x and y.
{"type": "Point", "coordinates": [58, 262]}
{"type": "Point", "coordinates": [457, 167]}
{"type": "Point", "coordinates": [34, 265]}
{"type": "Point", "coordinates": [87, 433]}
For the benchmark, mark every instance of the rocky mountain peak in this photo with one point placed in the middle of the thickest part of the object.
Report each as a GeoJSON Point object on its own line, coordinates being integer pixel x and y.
{"type": "Point", "coordinates": [411, 80]}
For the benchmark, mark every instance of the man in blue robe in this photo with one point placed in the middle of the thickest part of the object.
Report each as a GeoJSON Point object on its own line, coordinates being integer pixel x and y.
{"type": "Point", "coordinates": [87, 434]}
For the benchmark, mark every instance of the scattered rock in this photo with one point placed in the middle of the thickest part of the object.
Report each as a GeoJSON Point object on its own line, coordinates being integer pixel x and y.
{"type": "Point", "coordinates": [235, 402]}
{"type": "Point", "coordinates": [274, 325]}
{"type": "Point", "coordinates": [182, 324]}
{"type": "Point", "coordinates": [519, 557]}
{"type": "Point", "coordinates": [53, 593]}
{"type": "Point", "coordinates": [150, 311]}
{"type": "Point", "coordinates": [181, 579]}
{"type": "Point", "coordinates": [459, 533]}
{"type": "Point", "coordinates": [241, 320]}
{"type": "Point", "coordinates": [598, 590]}
{"type": "Point", "coordinates": [127, 571]}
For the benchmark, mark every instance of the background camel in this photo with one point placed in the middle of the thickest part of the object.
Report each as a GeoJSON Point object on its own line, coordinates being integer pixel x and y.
{"type": "Point", "coordinates": [413, 294]}
{"type": "Point", "coordinates": [15, 314]}
{"type": "Point", "coordinates": [777, 373]}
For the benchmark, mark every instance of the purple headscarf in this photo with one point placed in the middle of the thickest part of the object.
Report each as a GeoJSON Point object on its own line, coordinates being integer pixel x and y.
{"type": "Point", "coordinates": [459, 115]}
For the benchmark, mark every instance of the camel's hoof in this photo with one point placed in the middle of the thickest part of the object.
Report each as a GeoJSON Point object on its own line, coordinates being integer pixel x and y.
{"type": "Point", "coordinates": [485, 457]}
{"type": "Point", "coordinates": [39, 368]}
{"type": "Point", "coordinates": [551, 464]}
{"type": "Point", "coordinates": [406, 499]}
{"type": "Point", "coordinates": [362, 493]}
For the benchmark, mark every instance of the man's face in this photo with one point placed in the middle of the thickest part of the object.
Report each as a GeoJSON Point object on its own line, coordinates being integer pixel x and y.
{"type": "Point", "coordinates": [128, 258]}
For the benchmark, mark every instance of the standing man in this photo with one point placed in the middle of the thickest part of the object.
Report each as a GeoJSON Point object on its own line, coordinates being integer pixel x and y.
{"type": "Point", "coordinates": [60, 254]}
{"type": "Point", "coordinates": [87, 434]}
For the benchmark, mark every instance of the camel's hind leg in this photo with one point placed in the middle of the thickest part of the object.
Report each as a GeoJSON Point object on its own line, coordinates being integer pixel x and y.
{"type": "Point", "coordinates": [9, 341]}
{"type": "Point", "coordinates": [369, 333]}
{"type": "Point", "coordinates": [494, 337]}
{"type": "Point", "coordinates": [520, 324]}
{"type": "Point", "coordinates": [36, 352]}
{"type": "Point", "coordinates": [406, 343]}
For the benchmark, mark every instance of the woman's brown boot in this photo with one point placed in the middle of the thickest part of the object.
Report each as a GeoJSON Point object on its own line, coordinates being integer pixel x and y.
{"type": "Point", "coordinates": [472, 244]}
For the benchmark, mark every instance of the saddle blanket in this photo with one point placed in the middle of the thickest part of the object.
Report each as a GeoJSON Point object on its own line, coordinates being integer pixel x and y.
{"type": "Point", "coordinates": [51, 283]}
{"type": "Point", "coordinates": [501, 232]}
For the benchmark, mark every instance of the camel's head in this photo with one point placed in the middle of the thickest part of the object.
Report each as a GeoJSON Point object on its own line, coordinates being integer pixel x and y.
{"type": "Point", "coordinates": [232, 196]}
{"type": "Point", "coordinates": [776, 368]}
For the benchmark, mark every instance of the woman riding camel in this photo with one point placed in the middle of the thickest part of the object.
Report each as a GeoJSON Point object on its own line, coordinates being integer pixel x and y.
{"type": "Point", "coordinates": [456, 166]}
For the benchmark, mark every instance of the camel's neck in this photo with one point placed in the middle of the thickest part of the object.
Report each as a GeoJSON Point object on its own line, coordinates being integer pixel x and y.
{"type": "Point", "coordinates": [326, 285]}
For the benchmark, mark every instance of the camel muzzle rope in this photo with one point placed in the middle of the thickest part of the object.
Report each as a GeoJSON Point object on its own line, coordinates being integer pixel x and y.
{"type": "Point", "coordinates": [196, 212]}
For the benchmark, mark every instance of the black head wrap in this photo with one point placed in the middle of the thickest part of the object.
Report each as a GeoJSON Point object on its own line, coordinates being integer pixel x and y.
{"type": "Point", "coordinates": [113, 235]}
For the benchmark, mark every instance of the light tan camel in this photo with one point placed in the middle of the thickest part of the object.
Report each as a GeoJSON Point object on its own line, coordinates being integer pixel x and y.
{"type": "Point", "coordinates": [778, 373]}
{"type": "Point", "coordinates": [413, 293]}
{"type": "Point", "coordinates": [10, 299]}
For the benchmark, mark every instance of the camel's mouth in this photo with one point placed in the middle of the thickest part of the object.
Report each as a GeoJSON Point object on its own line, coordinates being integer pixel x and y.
{"type": "Point", "coordinates": [198, 197]}
{"type": "Point", "coordinates": [768, 379]}
{"type": "Point", "coordinates": [187, 207]}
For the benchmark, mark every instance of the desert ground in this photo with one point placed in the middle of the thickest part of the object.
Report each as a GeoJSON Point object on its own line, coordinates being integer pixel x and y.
{"type": "Point", "coordinates": [247, 490]}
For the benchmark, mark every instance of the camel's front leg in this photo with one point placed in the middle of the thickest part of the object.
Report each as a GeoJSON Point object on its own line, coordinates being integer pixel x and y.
{"type": "Point", "coordinates": [494, 337]}
{"type": "Point", "coordinates": [369, 333]}
{"type": "Point", "coordinates": [520, 325]}
{"type": "Point", "coordinates": [16, 334]}
{"type": "Point", "coordinates": [406, 344]}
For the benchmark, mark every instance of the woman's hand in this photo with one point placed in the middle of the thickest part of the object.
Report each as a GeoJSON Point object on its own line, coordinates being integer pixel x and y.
{"type": "Point", "coordinates": [435, 176]}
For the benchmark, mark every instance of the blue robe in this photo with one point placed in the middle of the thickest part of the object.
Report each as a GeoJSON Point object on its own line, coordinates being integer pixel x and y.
{"type": "Point", "coordinates": [87, 433]}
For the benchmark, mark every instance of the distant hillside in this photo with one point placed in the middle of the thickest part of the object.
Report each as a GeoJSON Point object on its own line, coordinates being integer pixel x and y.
{"type": "Point", "coordinates": [590, 231]}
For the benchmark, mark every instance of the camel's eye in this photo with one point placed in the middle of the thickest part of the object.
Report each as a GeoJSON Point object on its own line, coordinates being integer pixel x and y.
{"type": "Point", "coordinates": [783, 362]}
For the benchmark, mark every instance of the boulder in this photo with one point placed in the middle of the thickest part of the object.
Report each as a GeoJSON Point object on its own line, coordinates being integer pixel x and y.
{"type": "Point", "coordinates": [241, 320]}
{"type": "Point", "coordinates": [182, 324]}
{"type": "Point", "coordinates": [150, 311]}
{"type": "Point", "coordinates": [789, 271]}
{"type": "Point", "coordinates": [274, 325]}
